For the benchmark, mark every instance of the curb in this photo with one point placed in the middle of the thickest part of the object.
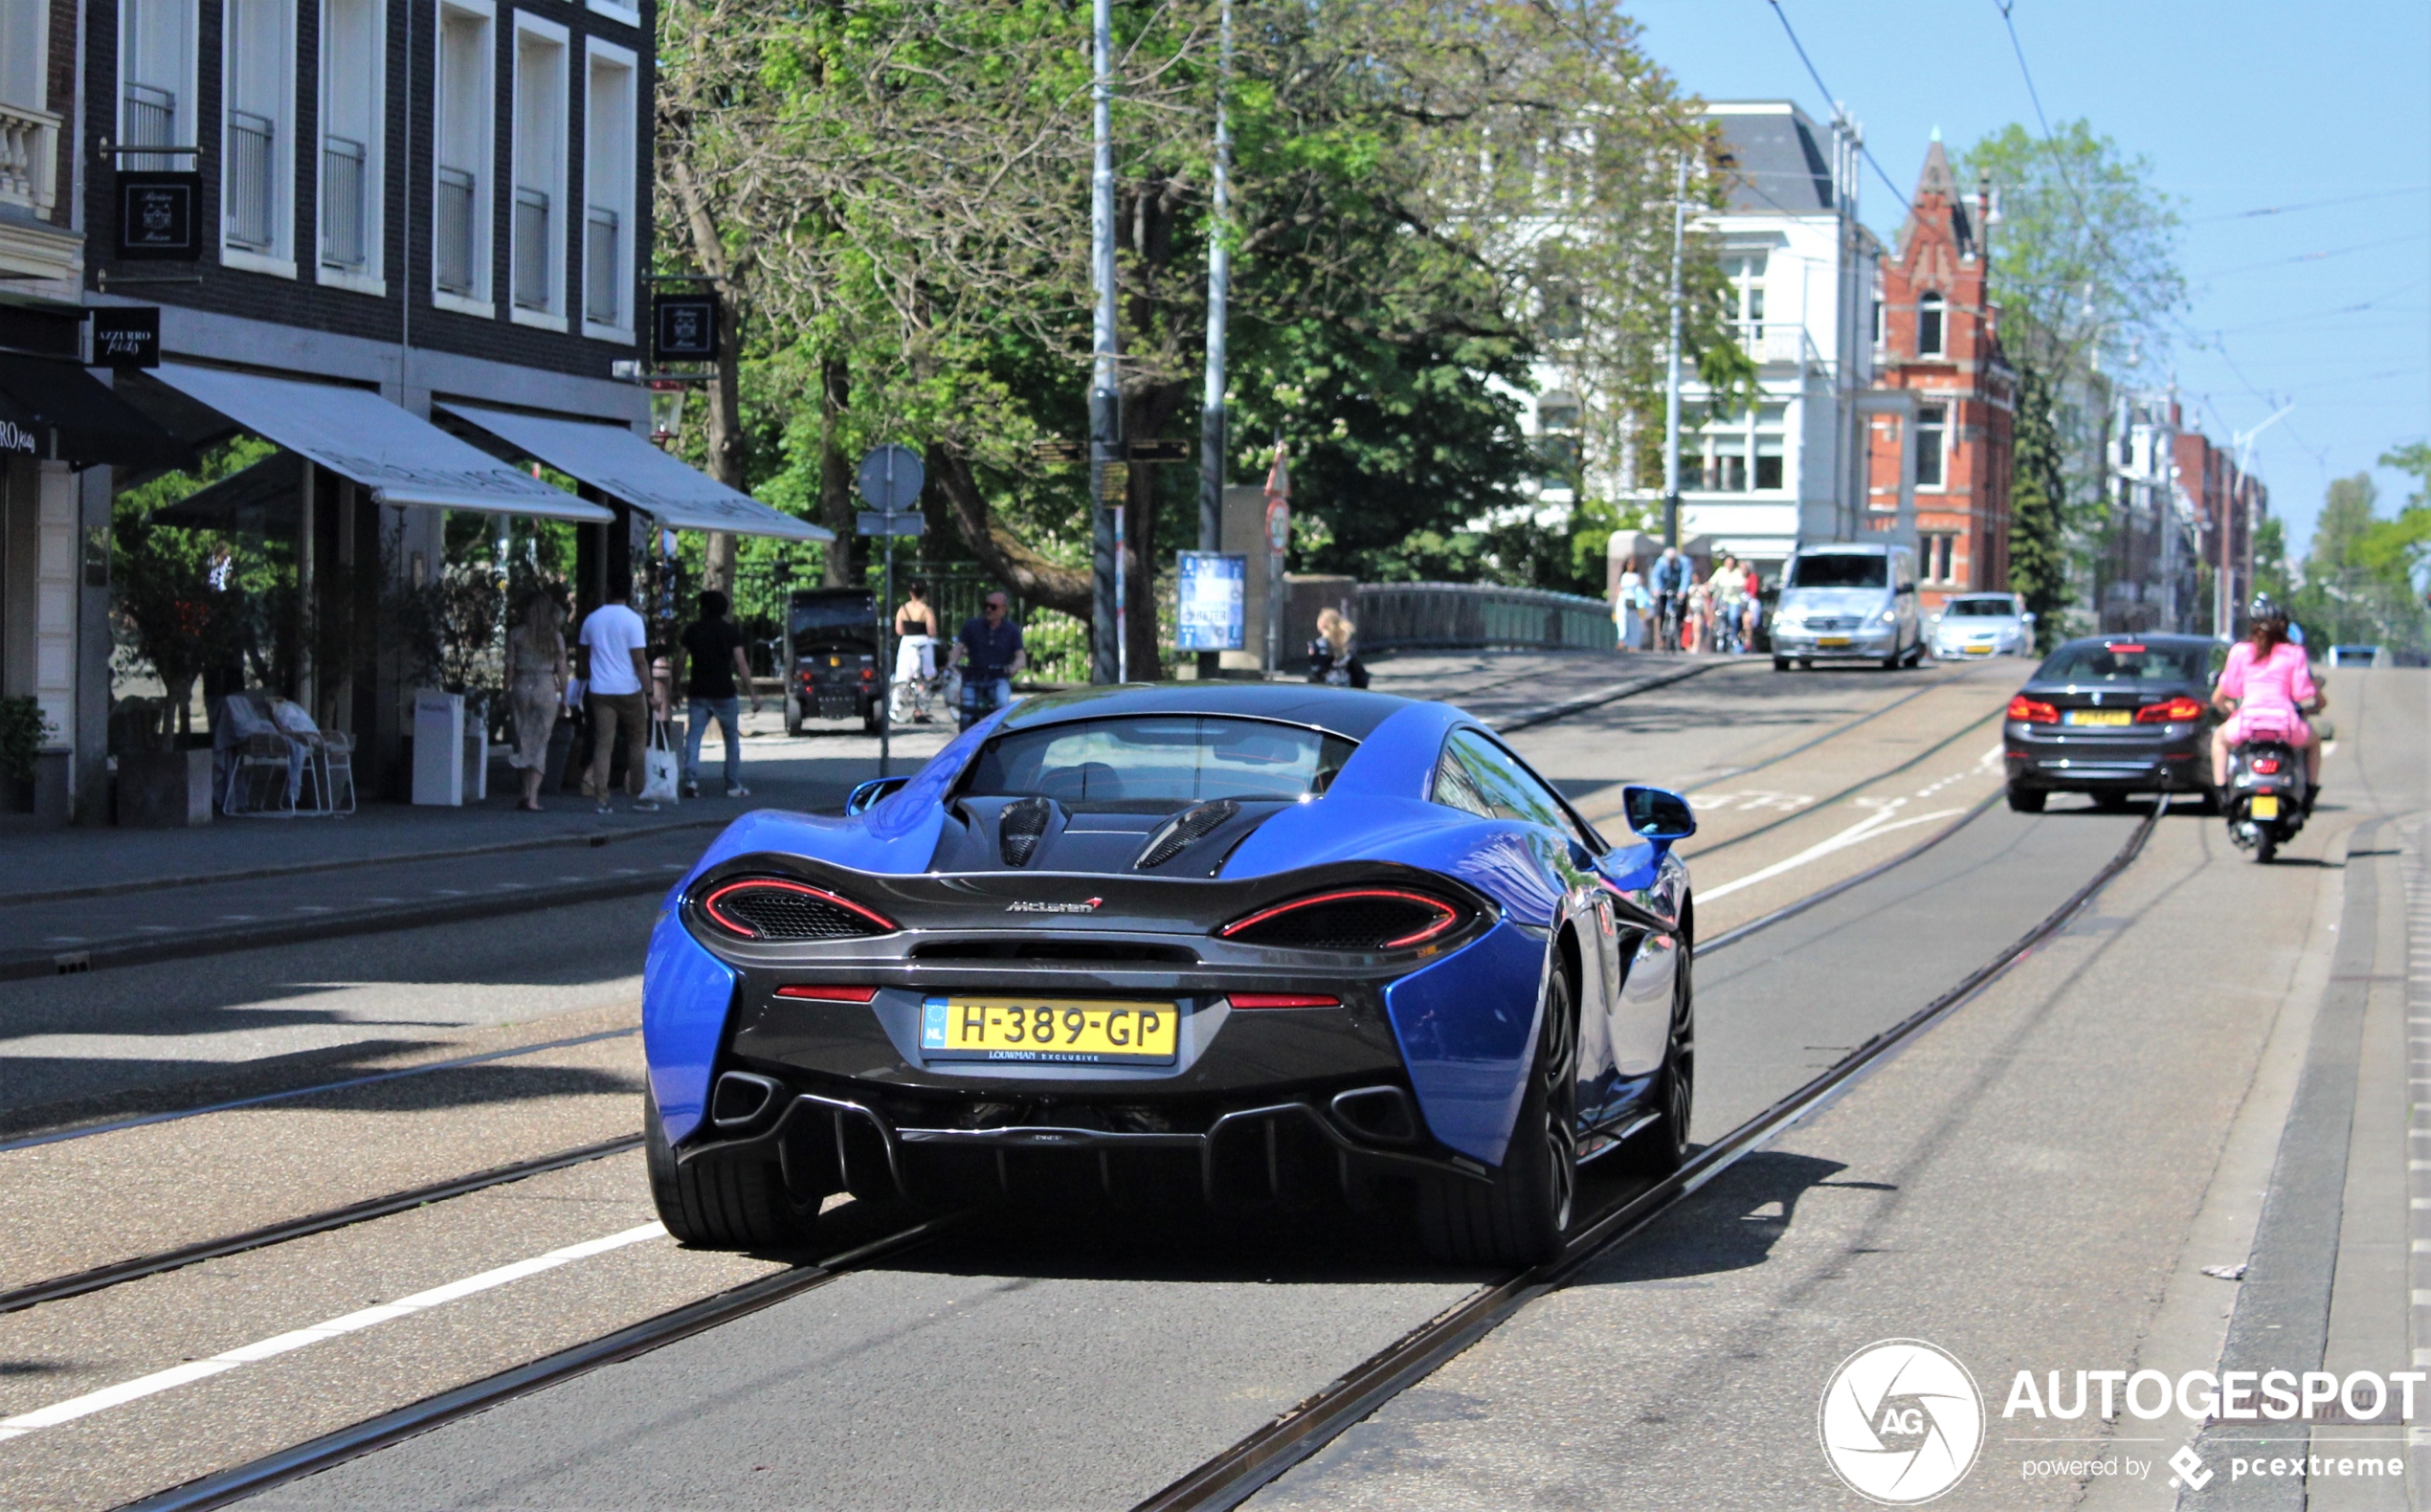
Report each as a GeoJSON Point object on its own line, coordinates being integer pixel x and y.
{"type": "Point", "coordinates": [18, 966]}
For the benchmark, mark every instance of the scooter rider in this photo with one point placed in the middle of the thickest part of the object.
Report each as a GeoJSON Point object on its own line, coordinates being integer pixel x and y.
{"type": "Point", "coordinates": [1670, 587]}
{"type": "Point", "coordinates": [992, 653]}
{"type": "Point", "coordinates": [2266, 690]}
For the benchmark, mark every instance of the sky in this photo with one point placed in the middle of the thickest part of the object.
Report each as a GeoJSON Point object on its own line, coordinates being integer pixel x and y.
{"type": "Point", "coordinates": [2240, 105]}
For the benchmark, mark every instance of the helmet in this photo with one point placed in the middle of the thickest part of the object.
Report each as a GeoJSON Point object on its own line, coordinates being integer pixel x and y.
{"type": "Point", "coordinates": [2266, 607]}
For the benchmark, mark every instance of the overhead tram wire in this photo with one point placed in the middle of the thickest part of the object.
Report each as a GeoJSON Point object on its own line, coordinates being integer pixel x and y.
{"type": "Point", "coordinates": [1812, 73]}
{"type": "Point", "coordinates": [2316, 203]}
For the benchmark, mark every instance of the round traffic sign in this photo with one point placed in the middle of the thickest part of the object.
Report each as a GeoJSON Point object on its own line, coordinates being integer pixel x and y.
{"type": "Point", "coordinates": [890, 478]}
{"type": "Point", "coordinates": [1277, 523]}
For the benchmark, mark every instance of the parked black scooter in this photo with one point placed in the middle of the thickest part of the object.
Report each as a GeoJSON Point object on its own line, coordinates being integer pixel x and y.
{"type": "Point", "coordinates": [2266, 799]}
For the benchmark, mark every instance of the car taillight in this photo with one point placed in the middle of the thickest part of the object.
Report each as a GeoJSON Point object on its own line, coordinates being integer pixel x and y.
{"type": "Point", "coordinates": [1348, 919]}
{"type": "Point", "coordinates": [2266, 765]}
{"type": "Point", "coordinates": [2176, 711]}
{"type": "Point", "coordinates": [813, 993]}
{"type": "Point", "coordinates": [2032, 712]}
{"type": "Point", "coordinates": [1281, 1000]}
{"type": "Point", "coordinates": [776, 908]}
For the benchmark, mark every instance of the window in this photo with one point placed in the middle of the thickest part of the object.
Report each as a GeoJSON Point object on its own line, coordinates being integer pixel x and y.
{"type": "Point", "coordinates": [460, 191]}
{"type": "Point", "coordinates": [1743, 298]}
{"type": "Point", "coordinates": [1878, 321]}
{"type": "Point", "coordinates": [537, 249]}
{"type": "Point", "coordinates": [1749, 452]}
{"type": "Point", "coordinates": [156, 80]}
{"type": "Point", "coordinates": [1157, 764]}
{"type": "Point", "coordinates": [1932, 427]}
{"type": "Point", "coordinates": [353, 84]}
{"type": "Point", "coordinates": [1482, 778]}
{"type": "Point", "coordinates": [1940, 549]}
{"type": "Point", "coordinates": [25, 48]}
{"type": "Point", "coordinates": [608, 193]}
{"type": "Point", "coordinates": [1928, 322]}
{"type": "Point", "coordinates": [257, 166]}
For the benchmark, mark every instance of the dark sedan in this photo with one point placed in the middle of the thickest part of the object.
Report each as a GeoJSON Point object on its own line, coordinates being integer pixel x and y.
{"type": "Point", "coordinates": [2112, 715]}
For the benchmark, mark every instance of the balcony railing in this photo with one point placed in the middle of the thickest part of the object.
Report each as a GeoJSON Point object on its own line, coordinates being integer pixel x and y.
{"type": "Point", "coordinates": [535, 275]}
{"type": "Point", "coordinates": [1780, 341]}
{"type": "Point", "coordinates": [456, 268]}
{"type": "Point", "coordinates": [603, 278]}
{"type": "Point", "coordinates": [343, 203]}
{"type": "Point", "coordinates": [252, 182]}
{"type": "Point", "coordinates": [151, 121]}
{"type": "Point", "coordinates": [29, 158]}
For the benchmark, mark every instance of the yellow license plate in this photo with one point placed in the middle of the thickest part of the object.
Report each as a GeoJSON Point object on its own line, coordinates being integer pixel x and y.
{"type": "Point", "coordinates": [1095, 1033]}
{"type": "Point", "coordinates": [2263, 805]}
{"type": "Point", "coordinates": [2102, 716]}
{"type": "Point", "coordinates": [1829, 641]}
{"type": "Point", "coordinates": [1979, 651]}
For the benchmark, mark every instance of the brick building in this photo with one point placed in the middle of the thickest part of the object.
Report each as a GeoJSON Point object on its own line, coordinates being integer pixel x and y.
{"type": "Point", "coordinates": [1945, 402]}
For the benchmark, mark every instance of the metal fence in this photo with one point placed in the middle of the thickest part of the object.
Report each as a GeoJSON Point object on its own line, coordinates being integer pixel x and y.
{"type": "Point", "coordinates": [341, 202]}
{"type": "Point", "coordinates": [455, 230]}
{"type": "Point", "coordinates": [151, 122]}
{"type": "Point", "coordinates": [1448, 616]}
{"type": "Point", "coordinates": [252, 181]}
{"type": "Point", "coordinates": [535, 272]}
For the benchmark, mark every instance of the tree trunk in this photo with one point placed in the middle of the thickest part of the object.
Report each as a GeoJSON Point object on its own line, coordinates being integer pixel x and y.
{"type": "Point", "coordinates": [834, 476]}
{"type": "Point", "coordinates": [1025, 573]}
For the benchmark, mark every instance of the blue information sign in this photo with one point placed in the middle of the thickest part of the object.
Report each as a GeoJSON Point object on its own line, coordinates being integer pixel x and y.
{"type": "Point", "coordinates": [1209, 600]}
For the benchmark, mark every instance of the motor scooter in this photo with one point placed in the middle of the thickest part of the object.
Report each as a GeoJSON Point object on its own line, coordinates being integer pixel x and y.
{"type": "Point", "coordinates": [2266, 798]}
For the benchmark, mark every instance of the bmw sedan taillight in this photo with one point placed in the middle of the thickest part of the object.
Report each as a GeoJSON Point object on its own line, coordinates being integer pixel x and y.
{"type": "Point", "coordinates": [779, 908]}
{"type": "Point", "coordinates": [2032, 711]}
{"type": "Point", "coordinates": [1349, 919]}
{"type": "Point", "coordinates": [2176, 711]}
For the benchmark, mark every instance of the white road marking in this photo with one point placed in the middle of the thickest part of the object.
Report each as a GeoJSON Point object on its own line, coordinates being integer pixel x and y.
{"type": "Point", "coordinates": [175, 1376]}
{"type": "Point", "coordinates": [1858, 833]}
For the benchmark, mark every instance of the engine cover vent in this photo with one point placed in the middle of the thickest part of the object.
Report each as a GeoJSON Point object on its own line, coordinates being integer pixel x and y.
{"type": "Point", "coordinates": [1021, 828]}
{"type": "Point", "coordinates": [1177, 833]}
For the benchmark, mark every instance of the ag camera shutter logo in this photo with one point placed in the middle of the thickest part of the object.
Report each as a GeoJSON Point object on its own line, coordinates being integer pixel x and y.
{"type": "Point", "coordinates": [1902, 1421]}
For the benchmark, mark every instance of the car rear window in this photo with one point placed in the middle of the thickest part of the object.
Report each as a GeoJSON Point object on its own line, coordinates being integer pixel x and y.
{"type": "Point", "coordinates": [2125, 662]}
{"type": "Point", "coordinates": [1981, 608]}
{"type": "Point", "coordinates": [1836, 571]}
{"type": "Point", "coordinates": [1158, 762]}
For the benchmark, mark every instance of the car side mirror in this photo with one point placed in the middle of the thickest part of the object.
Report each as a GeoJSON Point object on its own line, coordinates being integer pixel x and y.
{"type": "Point", "coordinates": [871, 793]}
{"type": "Point", "coordinates": [1658, 814]}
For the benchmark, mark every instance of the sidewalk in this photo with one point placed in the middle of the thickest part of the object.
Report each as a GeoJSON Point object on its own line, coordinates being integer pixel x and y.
{"type": "Point", "coordinates": [240, 882]}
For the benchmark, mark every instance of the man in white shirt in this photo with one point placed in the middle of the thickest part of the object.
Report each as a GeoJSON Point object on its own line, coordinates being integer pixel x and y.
{"type": "Point", "coordinates": [615, 649]}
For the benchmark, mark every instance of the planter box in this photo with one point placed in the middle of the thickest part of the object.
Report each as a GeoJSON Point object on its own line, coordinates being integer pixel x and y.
{"type": "Point", "coordinates": [164, 790]}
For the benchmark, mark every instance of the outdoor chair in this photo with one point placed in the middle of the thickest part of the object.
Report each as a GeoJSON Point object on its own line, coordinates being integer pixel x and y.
{"type": "Point", "coordinates": [329, 767]}
{"type": "Point", "coordinates": [261, 766]}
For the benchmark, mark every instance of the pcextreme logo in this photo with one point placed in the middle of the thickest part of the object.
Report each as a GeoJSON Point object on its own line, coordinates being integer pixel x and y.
{"type": "Point", "coordinates": [1902, 1421]}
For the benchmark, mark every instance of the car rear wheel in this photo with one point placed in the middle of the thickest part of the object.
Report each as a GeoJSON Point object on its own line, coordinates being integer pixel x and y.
{"type": "Point", "coordinates": [723, 1201]}
{"type": "Point", "coordinates": [1520, 1216]}
{"type": "Point", "coordinates": [1780, 663]}
{"type": "Point", "coordinates": [2025, 800]}
{"type": "Point", "coordinates": [792, 717]}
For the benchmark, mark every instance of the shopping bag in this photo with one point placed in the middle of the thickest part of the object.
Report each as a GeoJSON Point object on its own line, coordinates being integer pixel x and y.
{"type": "Point", "coordinates": [662, 768]}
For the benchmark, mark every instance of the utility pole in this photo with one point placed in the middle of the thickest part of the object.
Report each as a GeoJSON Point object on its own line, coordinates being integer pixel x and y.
{"type": "Point", "coordinates": [1671, 374]}
{"type": "Point", "coordinates": [2224, 613]}
{"type": "Point", "coordinates": [1107, 481]}
{"type": "Point", "coordinates": [1219, 278]}
{"type": "Point", "coordinates": [2165, 500]}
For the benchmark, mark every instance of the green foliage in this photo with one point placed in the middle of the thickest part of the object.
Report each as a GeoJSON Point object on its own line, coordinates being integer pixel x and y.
{"type": "Point", "coordinates": [2038, 511]}
{"type": "Point", "coordinates": [183, 600]}
{"type": "Point", "coordinates": [2358, 580]}
{"type": "Point", "coordinates": [2271, 573]}
{"type": "Point", "coordinates": [23, 728]}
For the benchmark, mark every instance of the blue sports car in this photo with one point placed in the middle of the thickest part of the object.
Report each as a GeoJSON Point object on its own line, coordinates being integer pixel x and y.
{"type": "Point", "coordinates": [1249, 945]}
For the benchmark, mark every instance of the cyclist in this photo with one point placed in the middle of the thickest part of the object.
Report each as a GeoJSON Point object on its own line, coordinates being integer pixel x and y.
{"type": "Point", "coordinates": [1671, 576]}
{"type": "Point", "coordinates": [989, 647]}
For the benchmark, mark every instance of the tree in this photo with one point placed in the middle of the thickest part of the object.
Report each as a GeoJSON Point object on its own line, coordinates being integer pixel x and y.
{"type": "Point", "coordinates": [2039, 510]}
{"type": "Point", "coordinates": [2346, 515]}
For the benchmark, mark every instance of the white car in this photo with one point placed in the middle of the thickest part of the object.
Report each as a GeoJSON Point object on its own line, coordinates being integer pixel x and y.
{"type": "Point", "coordinates": [1972, 625]}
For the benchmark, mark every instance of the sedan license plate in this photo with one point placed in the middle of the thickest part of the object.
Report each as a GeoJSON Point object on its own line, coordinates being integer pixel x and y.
{"type": "Point", "coordinates": [2263, 805]}
{"type": "Point", "coordinates": [1096, 1033]}
{"type": "Point", "coordinates": [1979, 651]}
{"type": "Point", "coordinates": [2109, 718]}
{"type": "Point", "coordinates": [1830, 642]}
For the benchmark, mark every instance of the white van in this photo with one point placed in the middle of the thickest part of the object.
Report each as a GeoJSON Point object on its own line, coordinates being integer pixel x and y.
{"type": "Point", "coordinates": [1848, 603]}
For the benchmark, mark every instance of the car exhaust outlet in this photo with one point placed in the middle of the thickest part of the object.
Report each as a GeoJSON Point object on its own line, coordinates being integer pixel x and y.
{"type": "Point", "coordinates": [741, 1099]}
{"type": "Point", "coordinates": [1382, 1113]}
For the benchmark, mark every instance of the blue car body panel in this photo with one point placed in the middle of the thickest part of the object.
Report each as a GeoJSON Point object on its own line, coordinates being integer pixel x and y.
{"type": "Point", "coordinates": [1469, 1037]}
{"type": "Point", "coordinates": [687, 995]}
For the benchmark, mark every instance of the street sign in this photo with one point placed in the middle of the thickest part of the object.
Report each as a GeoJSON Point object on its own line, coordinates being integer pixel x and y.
{"type": "Point", "coordinates": [158, 216]}
{"type": "Point", "coordinates": [1278, 525]}
{"type": "Point", "coordinates": [1114, 483]}
{"type": "Point", "coordinates": [1210, 601]}
{"type": "Point", "coordinates": [880, 522]}
{"type": "Point", "coordinates": [1159, 451]}
{"type": "Point", "coordinates": [1067, 452]}
{"type": "Point", "coordinates": [890, 477]}
{"type": "Point", "coordinates": [126, 336]}
{"type": "Point", "coordinates": [683, 327]}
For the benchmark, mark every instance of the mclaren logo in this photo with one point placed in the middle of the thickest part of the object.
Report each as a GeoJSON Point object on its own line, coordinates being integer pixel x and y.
{"type": "Point", "coordinates": [1028, 907]}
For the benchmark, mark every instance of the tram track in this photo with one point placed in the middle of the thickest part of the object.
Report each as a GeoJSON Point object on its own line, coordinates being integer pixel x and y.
{"type": "Point", "coordinates": [1239, 1471]}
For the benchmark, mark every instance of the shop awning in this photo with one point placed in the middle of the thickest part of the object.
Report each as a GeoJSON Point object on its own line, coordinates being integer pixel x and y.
{"type": "Point", "coordinates": [358, 435]}
{"type": "Point", "coordinates": [267, 495]}
{"type": "Point", "coordinates": [57, 409]}
{"type": "Point", "coordinates": [622, 465]}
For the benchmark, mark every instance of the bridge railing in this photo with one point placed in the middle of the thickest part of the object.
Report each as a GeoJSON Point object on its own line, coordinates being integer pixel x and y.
{"type": "Point", "coordinates": [1464, 615]}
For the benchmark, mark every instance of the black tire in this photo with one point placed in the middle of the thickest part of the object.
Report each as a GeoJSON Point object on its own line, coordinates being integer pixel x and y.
{"type": "Point", "coordinates": [1780, 663]}
{"type": "Point", "coordinates": [1520, 1216]}
{"type": "Point", "coordinates": [1662, 1146]}
{"type": "Point", "coordinates": [1806, 664]}
{"type": "Point", "coordinates": [2025, 800]}
{"type": "Point", "coordinates": [723, 1201]}
{"type": "Point", "coordinates": [2110, 802]}
{"type": "Point", "coordinates": [2266, 844]}
{"type": "Point", "coordinates": [792, 717]}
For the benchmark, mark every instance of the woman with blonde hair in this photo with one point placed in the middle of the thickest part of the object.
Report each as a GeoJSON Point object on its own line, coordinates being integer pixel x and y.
{"type": "Point", "coordinates": [1333, 657]}
{"type": "Point", "coordinates": [535, 688]}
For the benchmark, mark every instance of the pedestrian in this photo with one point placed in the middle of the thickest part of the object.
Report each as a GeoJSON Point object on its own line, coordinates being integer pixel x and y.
{"type": "Point", "coordinates": [1725, 594]}
{"type": "Point", "coordinates": [1333, 657]}
{"type": "Point", "coordinates": [713, 648]}
{"type": "Point", "coordinates": [617, 668]}
{"type": "Point", "coordinates": [536, 681]}
{"type": "Point", "coordinates": [1696, 627]}
{"type": "Point", "coordinates": [1670, 594]}
{"type": "Point", "coordinates": [1626, 616]}
{"type": "Point", "coordinates": [1751, 608]}
{"type": "Point", "coordinates": [989, 647]}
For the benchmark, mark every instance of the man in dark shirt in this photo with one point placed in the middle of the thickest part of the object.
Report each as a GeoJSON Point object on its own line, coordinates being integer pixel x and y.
{"type": "Point", "coordinates": [991, 649]}
{"type": "Point", "coordinates": [713, 648]}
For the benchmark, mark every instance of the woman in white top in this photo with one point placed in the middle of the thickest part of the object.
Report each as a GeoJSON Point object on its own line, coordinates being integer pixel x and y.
{"type": "Point", "coordinates": [1626, 611]}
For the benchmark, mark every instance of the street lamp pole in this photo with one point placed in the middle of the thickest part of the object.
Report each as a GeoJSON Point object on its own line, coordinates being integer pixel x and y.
{"type": "Point", "coordinates": [1219, 278]}
{"type": "Point", "coordinates": [1671, 376]}
{"type": "Point", "coordinates": [1107, 481]}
